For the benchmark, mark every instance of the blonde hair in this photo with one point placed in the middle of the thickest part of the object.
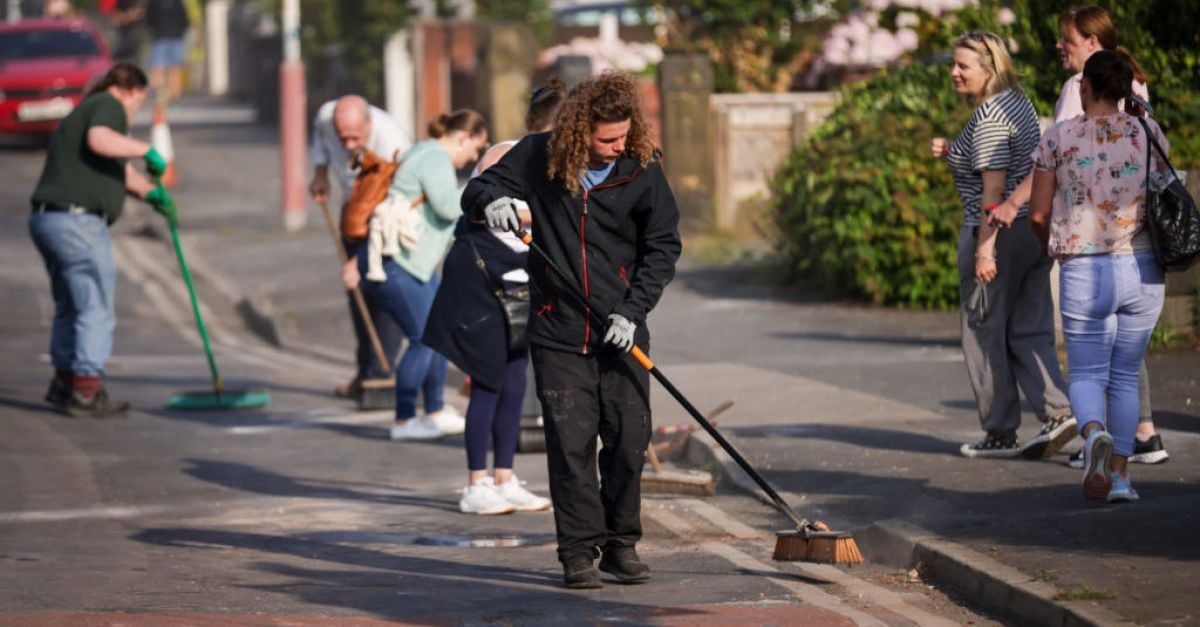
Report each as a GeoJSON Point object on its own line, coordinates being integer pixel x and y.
{"type": "Point", "coordinates": [994, 57]}
{"type": "Point", "coordinates": [610, 97]}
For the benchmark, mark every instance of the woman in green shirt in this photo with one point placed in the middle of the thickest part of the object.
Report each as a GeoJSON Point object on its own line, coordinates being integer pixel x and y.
{"type": "Point", "coordinates": [79, 194]}
{"type": "Point", "coordinates": [427, 171]}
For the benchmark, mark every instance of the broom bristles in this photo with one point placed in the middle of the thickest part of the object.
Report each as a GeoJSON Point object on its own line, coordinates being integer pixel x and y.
{"type": "Point", "coordinates": [692, 484]}
{"type": "Point", "coordinates": [822, 548]}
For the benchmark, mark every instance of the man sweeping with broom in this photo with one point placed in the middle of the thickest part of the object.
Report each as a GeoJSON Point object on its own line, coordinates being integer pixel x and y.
{"type": "Point", "coordinates": [603, 210]}
{"type": "Point", "coordinates": [359, 142]}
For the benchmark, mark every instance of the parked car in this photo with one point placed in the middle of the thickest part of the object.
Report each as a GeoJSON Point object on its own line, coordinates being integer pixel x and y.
{"type": "Point", "coordinates": [46, 66]}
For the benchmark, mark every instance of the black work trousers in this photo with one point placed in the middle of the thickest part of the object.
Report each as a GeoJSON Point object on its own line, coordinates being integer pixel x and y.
{"type": "Point", "coordinates": [585, 396]}
{"type": "Point", "coordinates": [390, 336]}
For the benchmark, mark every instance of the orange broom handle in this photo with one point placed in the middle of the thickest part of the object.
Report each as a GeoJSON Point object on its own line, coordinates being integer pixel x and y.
{"type": "Point", "coordinates": [642, 358]}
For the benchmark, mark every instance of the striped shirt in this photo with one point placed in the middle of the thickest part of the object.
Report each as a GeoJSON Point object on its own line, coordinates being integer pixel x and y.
{"type": "Point", "coordinates": [1001, 135]}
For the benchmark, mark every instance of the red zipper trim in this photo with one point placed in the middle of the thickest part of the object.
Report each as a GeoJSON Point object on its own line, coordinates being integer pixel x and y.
{"type": "Point", "coordinates": [587, 311]}
{"type": "Point", "coordinates": [624, 279]}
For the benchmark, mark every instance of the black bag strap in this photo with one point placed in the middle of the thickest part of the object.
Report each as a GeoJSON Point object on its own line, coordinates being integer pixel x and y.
{"type": "Point", "coordinates": [1161, 153]}
{"type": "Point", "coordinates": [487, 279]}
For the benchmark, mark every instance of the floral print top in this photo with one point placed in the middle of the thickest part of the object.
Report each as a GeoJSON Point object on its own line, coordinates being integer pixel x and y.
{"type": "Point", "coordinates": [1099, 167]}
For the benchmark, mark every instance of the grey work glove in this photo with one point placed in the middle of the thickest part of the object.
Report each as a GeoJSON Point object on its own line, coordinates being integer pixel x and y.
{"type": "Point", "coordinates": [620, 332]}
{"type": "Point", "coordinates": [502, 214]}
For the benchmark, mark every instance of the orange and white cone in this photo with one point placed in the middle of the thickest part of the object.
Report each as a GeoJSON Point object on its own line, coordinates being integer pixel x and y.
{"type": "Point", "coordinates": [160, 139]}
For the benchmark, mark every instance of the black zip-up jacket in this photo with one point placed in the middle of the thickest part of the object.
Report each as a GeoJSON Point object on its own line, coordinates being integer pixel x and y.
{"type": "Point", "coordinates": [619, 240]}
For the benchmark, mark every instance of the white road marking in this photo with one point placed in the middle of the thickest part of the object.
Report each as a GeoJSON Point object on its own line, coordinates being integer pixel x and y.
{"type": "Point", "coordinates": [806, 593]}
{"type": "Point", "coordinates": [86, 513]}
{"type": "Point", "coordinates": [716, 516]}
{"type": "Point", "coordinates": [319, 418]}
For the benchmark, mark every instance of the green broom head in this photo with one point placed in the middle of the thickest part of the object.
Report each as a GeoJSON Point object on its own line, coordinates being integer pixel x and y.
{"type": "Point", "coordinates": [229, 399]}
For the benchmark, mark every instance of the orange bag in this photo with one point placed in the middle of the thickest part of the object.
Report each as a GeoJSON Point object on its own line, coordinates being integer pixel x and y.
{"type": "Point", "coordinates": [370, 189]}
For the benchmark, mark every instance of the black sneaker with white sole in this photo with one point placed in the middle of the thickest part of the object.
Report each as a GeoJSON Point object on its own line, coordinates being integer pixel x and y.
{"type": "Point", "coordinates": [1150, 451]}
{"type": "Point", "coordinates": [1054, 435]}
{"type": "Point", "coordinates": [996, 444]}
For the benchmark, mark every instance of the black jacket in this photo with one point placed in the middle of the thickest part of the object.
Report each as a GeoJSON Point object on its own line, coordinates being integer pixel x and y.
{"type": "Point", "coordinates": [465, 322]}
{"type": "Point", "coordinates": [619, 241]}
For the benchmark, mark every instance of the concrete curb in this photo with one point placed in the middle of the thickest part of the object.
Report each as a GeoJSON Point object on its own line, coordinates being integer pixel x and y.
{"type": "Point", "coordinates": [982, 580]}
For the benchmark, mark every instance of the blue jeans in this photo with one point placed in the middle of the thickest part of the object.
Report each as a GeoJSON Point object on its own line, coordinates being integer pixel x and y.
{"type": "Point", "coordinates": [1109, 306]}
{"type": "Point", "coordinates": [78, 255]}
{"type": "Point", "coordinates": [408, 301]}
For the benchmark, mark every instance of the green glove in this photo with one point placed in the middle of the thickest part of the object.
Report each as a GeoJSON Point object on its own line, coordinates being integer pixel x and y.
{"type": "Point", "coordinates": [155, 164]}
{"type": "Point", "coordinates": [162, 203]}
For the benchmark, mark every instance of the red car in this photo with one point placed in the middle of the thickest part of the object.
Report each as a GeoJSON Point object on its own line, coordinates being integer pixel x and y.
{"type": "Point", "coordinates": [45, 68]}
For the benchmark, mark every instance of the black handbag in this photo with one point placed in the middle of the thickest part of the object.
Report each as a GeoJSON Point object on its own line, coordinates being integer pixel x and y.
{"type": "Point", "coordinates": [514, 303]}
{"type": "Point", "coordinates": [1171, 216]}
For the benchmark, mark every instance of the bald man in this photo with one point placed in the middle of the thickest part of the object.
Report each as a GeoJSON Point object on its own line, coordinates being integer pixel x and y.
{"type": "Point", "coordinates": [342, 129]}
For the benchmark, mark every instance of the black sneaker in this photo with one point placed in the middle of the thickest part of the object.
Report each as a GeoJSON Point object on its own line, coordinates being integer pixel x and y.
{"type": "Point", "coordinates": [1149, 452]}
{"type": "Point", "coordinates": [1076, 460]}
{"type": "Point", "coordinates": [1053, 436]}
{"type": "Point", "coordinates": [996, 444]}
{"type": "Point", "coordinates": [622, 562]}
{"type": "Point", "coordinates": [98, 406]}
{"type": "Point", "coordinates": [579, 574]}
{"type": "Point", "coordinates": [59, 393]}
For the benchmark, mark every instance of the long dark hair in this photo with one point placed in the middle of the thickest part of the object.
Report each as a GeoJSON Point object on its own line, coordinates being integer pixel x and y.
{"type": "Point", "coordinates": [124, 75]}
{"type": "Point", "coordinates": [1109, 74]}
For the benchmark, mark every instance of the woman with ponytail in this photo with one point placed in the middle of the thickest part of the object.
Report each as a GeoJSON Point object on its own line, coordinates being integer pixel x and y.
{"type": "Point", "coordinates": [428, 173]}
{"type": "Point", "coordinates": [1084, 31]}
{"type": "Point", "coordinates": [1088, 211]}
{"type": "Point", "coordinates": [79, 194]}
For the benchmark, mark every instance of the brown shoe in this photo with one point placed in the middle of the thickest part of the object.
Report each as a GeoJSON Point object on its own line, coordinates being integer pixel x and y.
{"type": "Point", "coordinates": [353, 389]}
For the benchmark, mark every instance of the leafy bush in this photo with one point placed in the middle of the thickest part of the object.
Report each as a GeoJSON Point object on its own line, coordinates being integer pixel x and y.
{"type": "Point", "coordinates": [862, 208]}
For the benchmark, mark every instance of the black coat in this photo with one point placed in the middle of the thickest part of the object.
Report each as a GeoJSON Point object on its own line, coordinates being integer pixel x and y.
{"type": "Point", "coordinates": [466, 323]}
{"type": "Point", "coordinates": [619, 241]}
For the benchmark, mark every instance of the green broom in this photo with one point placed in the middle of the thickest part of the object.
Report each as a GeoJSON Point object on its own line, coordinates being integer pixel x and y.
{"type": "Point", "coordinates": [219, 397]}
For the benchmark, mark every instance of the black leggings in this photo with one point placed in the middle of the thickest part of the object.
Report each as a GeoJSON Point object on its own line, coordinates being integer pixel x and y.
{"type": "Point", "coordinates": [495, 417]}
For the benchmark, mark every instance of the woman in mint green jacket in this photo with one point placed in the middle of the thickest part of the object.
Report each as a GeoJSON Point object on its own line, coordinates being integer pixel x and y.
{"type": "Point", "coordinates": [427, 174]}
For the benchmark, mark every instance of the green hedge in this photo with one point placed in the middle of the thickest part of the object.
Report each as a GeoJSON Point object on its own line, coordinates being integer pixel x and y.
{"type": "Point", "coordinates": [862, 209]}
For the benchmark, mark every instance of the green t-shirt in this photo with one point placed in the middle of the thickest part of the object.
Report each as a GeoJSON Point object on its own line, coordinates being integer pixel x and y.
{"type": "Point", "coordinates": [73, 173]}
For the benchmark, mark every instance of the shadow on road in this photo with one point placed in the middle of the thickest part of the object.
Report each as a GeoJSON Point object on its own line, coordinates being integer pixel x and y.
{"type": "Point", "coordinates": [247, 478]}
{"type": "Point", "coordinates": [866, 437]}
{"type": "Point", "coordinates": [398, 586]}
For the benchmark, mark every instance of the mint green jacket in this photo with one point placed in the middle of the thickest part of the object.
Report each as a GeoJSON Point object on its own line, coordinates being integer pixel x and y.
{"type": "Point", "coordinates": [427, 170]}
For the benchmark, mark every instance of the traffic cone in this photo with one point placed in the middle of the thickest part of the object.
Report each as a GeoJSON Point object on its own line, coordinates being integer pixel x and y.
{"type": "Point", "coordinates": [160, 139]}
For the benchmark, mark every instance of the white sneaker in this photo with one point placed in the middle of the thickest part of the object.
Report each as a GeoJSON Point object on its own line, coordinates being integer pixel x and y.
{"type": "Point", "coordinates": [522, 499]}
{"type": "Point", "coordinates": [420, 428]}
{"type": "Point", "coordinates": [449, 420]}
{"type": "Point", "coordinates": [483, 498]}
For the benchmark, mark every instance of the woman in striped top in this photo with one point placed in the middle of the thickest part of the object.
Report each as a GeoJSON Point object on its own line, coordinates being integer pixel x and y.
{"type": "Point", "coordinates": [1012, 345]}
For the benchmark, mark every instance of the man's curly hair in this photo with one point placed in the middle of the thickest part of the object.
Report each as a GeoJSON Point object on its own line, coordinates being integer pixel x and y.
{"type": "Point", "coordinates": [610, 97]}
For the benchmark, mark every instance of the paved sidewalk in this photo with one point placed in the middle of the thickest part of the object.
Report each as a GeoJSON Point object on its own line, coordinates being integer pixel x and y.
{"type": "Point", "coordinates": [1016, 536]}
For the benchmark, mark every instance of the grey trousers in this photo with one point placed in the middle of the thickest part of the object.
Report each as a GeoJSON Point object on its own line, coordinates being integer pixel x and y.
{"type": "Point", "coordinates": [1014, 346]}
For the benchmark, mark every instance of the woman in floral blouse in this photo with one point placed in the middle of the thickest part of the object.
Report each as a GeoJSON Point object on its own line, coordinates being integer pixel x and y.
{"type": "Point", "coordinates": [1088, 211]}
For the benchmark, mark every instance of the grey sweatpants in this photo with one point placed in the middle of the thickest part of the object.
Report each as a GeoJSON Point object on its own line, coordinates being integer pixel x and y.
{"type": "Point", "coordinates": [1014, 346]}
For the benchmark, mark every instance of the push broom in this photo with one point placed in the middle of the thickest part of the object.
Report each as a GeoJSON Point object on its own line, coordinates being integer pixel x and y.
{"type": "Point", "coordinates": [377, 393]}
{"type": "Point", "coordinates": [219, 397]}
{"type": "Point", "coordinates": [810, 541]}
